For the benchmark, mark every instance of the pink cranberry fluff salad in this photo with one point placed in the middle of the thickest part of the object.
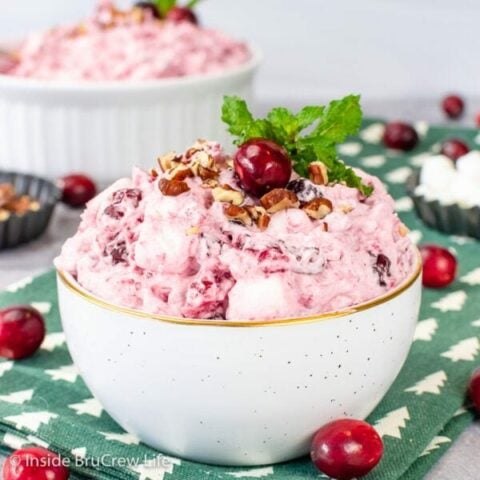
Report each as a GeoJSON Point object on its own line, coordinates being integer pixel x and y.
{"type": "Point", "coordinates": [141, 43]}
{"type": "Point", "coordinates": [207, 235]}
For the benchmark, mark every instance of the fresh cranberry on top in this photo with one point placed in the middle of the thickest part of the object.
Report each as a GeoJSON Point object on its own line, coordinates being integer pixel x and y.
{"type": "Point", "coordinates": [262, 165]}
{"type": "Point", "coordinates": [182, 14]}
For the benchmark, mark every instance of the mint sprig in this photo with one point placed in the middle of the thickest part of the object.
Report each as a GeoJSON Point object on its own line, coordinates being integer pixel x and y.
{"type": "Point", "coordinates": [310, 135]}
{"type": "Point", "coordinates": [164, 6]}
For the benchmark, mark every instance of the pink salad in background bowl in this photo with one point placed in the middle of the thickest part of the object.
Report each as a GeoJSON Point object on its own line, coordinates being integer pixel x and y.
{"type": "Point", "coordinates": [119, 84]}
{"type": "Point", "coordinates": [273, 280]}
{"type": "Point", "coordinates": [116, 45]}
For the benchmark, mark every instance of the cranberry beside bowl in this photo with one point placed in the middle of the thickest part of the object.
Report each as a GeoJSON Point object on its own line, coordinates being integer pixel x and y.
{"type": "Point", "coordinates": [96, 118]}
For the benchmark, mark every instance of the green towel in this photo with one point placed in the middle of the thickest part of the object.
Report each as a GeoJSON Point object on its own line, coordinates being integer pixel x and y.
{"type": "Point", "coordinates": [44, 401]}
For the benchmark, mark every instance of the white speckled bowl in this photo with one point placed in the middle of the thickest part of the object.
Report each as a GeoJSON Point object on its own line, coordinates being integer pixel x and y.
{"type": "Point", "coordinates": [237, 393]}
{"type": "Point", "coordinates": [52, 128]}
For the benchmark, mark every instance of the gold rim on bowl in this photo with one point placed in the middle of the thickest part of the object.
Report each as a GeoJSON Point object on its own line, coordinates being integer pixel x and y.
{"type": "Point", "coordinates": [74, 287]}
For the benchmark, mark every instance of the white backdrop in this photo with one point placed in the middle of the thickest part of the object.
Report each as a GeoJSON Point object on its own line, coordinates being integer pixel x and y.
{"type": "Point", "coordinates": [395, 49]}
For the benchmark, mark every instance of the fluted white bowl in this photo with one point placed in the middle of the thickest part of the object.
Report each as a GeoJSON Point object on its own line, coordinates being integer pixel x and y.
{"type": "Point", "coordinates": [51, 128]}
{"type": "Point", "coordinates": [237, 393]}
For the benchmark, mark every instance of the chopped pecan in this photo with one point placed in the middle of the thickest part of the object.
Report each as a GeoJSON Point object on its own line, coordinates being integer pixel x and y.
{"type": "Point", "coordinates": [325, 226]}
{"type": "Point", "coordinates": [168, 161]}
{"type": "Point", "coordinates": [226, 193]}
{"type": "Point", "coordinates": [197, 147]}
{"type": "Point", "coordinates": [195, 230]}
{"type": "Point", "coordinates": [138, 14]}
{"type": "Point", "coordinates": [153, 173]}
{"type": "Point", "coordinates": [318, 173]}
{"type": "Point", "coordinates": [254, 210]}
{"type": "Point", "coordinates": [345, 208]}
{"type": "Point", "coordinates": [237, 214]}
{"type": "Point", "coordinates": [4, 215]}
{"type": "Point", "coordinates": [79, 30]}
{"type": "Point", "coordinates": [7, 193]}
{"type": "Point", "coordinates": [173, 188]}
{"type": "Point", "coordinates": [318, 208]}
{"type": "Point", "coordinates": [207, 173]}
{"type": "Point", "coordinates": [180, 172]}
{"type": "Point", "coordinates": [259, 215]}
{"type": "Point", "coordinates": [279, 199]}
{"type": "Point", "coordinates": [263, 221]}
{"type": "Point", "coordinates": [203, 159]}
{"type": "Point", "coordinates": [209, 183]}
{"type": "Point", "coordinates": [202, 163]}
{"type": "Point", "coordinates": [19, 205]}
{"type": "Point", "coordinates": [34, 206]}
{"type": "Point", "coordinates": [191, 152]}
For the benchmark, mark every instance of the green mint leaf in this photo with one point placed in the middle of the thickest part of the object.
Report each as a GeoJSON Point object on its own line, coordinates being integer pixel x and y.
{"type": "Point", "coordinates": [257, 129]}
{"type": "Point", "coordinates": [192, 3]}
{"type": "Point", "coordinates": [241, 123]}
{"type": "Point", "coordinates": [340, 119]}
{"type": "Point", "coordinates": [284, 125]}
{"type": "Point", "coordinates": [164, 6]}
{"type": "Point", "coordinates": [327, 126]}
{"type": "Point", "coordinates": [236, 114]}
{"type": "Point", "coordinates": [308, 115]}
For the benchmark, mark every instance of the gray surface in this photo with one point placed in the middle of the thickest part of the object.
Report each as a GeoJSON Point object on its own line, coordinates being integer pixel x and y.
{"type": "Point", "coordinates": [461, 462]}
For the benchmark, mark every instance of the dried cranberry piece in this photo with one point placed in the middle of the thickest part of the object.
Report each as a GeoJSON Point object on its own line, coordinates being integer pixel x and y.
{"type": "Point", "coordinates": [133, 194]}
{"type": "Point", "coordinates": [207, 296]}
{"type": "Point", "coordinates": [113, 212]}
{"type": "Point", "coordinates": [304, 189]}
{"type": "Point", "coordinates": [222, 275]}
{"type": "Point", "coordinates": [118, 252]}
{"type": "Point", "coordinates": [273, 260]}
{"type": "Point", "coordinates": [382, 267]}
{"type": "Point", "coordinates": [272, 254]}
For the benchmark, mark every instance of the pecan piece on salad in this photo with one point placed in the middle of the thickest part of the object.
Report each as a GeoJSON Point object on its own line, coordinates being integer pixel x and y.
{"type": "Point", "coordinates": [318, 173]}
{"type": "Point", "coordinates": [318, 208]}
{"type": "Point", "coordinates": [226, 193]}
{"type": "Point", "coordinates": [173, 188]}
{"type": "Point", "coordinates": [237, 214]}
{"type": "Point", "coordinates": [279, 199]}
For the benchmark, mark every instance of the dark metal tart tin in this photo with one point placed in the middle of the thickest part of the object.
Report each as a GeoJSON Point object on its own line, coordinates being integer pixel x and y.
{"type": "Point", "coordinates": [453, 219]}
{"type": "Point", "coordinates": [18, 229]}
